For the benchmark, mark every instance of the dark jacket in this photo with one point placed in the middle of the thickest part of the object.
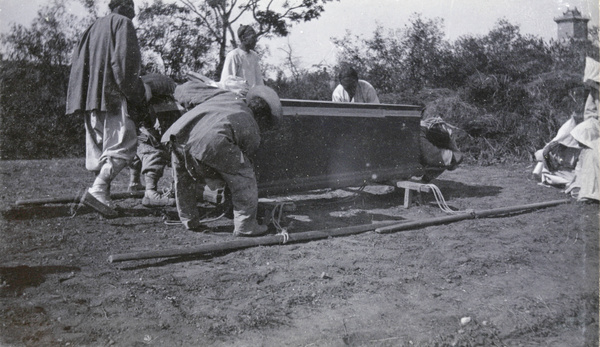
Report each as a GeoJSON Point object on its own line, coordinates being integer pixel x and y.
{"type": "Point", "coordinates": [218, 132]}
{"type": "Point", "coordinates": [105, 67]}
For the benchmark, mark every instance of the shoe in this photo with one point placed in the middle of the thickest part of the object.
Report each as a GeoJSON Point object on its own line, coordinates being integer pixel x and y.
{"type": "Point", "coordinates": [152, 198]}
{"type": "Point", "coordinates": [133, 187]}
{"type": "Point", "coordinates": [259, 230]}
{"type": "Point", "coordinates": [102, 195]}
{"type": "Point", "coordinates": [90, 200]}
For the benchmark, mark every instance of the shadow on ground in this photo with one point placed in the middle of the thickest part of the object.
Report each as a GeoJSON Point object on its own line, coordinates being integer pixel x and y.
{"type": "Point", "coordinates": [15, 280]}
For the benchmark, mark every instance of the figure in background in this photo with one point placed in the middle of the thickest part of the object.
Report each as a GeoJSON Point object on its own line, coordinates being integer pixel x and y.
{"type": "Point", "coordinates": [352, 89]}
{"type": "Point", "coordinates": [241, 69]}
{"type": "Point", "coordinates": [214, 141]}
{"type": "Point", "coordinates": [106, 88]}
{"type": "Point", "coordinates": [570, 160]}
{"type": "Point", "coordinates": [585, 186]}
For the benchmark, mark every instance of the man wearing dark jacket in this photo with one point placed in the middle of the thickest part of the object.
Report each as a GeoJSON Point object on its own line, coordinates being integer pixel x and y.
{"type": "Point", "coordinates": [104, 87]}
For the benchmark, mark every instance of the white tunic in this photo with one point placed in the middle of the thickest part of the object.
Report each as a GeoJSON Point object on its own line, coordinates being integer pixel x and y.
{"type": "Point", "coordinates": [239, 63]}
{"type": "Point", "coordinates": [365, 93]}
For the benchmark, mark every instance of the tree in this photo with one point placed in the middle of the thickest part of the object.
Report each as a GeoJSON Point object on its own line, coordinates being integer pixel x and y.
{"type": "Point", "coordinates": [50, 38]}
{"type": "Point", "coordinates": [409, 58]}
{"type": "Point", "coordinates": [33, 84]}
{"type": "Point", "coordinates": [518, 56]}
{"type": "Point", "coordinates": [216, 18]}
{"type": "Point", "coordinates": [181, 42]}
{"type": "Point", "coordinates": [423, 41]}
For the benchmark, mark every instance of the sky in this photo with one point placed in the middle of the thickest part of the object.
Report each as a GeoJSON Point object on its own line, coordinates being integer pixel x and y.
{"type": "Point", "coordinates": [311, 41]}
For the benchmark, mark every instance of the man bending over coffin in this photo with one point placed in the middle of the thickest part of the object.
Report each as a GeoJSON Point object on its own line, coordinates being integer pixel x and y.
{"type": "Point", "coordinates": [152, 157]}
{"type": "Point", "coordinates": [352, 89]}
{"type": "Point", "coordinates": [213, 141]}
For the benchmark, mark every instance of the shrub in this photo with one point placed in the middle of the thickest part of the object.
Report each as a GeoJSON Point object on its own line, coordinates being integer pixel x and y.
{"type": "Point", "coordinates": [32, 113]}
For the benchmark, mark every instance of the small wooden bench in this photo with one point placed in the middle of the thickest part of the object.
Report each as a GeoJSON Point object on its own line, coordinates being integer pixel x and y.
{"type": "Point", "coordinates": [410, 188]}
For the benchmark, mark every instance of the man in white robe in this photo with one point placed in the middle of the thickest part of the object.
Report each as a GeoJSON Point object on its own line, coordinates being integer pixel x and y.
{"type": "Point", "coordinates": [353, 89]}
{"type": "Point", "coordinates": [241, 69]}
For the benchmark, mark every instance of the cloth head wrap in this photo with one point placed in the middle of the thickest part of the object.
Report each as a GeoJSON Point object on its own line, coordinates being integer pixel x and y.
{"type": "Point", "coordinates": [116, 3]}
{"type": "Point", "coordinates": [243, 29]}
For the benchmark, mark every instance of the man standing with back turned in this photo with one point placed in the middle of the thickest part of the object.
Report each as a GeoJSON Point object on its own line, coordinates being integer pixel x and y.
{"type": "Point", "coordinates": [105, 87]}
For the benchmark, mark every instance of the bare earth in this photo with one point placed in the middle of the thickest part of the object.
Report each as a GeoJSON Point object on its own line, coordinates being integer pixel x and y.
{"type": "Point", "coordinates": [529, 279]}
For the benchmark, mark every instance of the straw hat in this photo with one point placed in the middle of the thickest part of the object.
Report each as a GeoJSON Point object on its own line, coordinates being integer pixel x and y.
{"type": "Point", "coordinates": [270, 96]}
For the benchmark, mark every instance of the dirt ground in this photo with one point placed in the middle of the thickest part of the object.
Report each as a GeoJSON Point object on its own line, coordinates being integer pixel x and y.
{"type": "Point", "coordinates": [528, 279]}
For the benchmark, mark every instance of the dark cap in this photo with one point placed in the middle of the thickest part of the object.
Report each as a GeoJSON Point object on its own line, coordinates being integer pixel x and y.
{"type": "Point", "coordinates": [116, 3]}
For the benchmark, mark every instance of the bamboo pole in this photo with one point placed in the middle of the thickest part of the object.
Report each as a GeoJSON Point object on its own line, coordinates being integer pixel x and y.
{"type": "Point", "coordinates": [75, 198]}
{"type": "Point", "coordinates": [249, 242]}
{"type": "Point", "coordinates": [463, 216]}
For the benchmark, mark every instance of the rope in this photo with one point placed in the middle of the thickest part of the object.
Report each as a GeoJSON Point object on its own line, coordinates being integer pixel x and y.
{"type": "Point", "coordinates": [286, 236]}
{"type": "Point", "coordinates": [439, 198]}
{"type": "Point", "coordinates": [166, 191]}
{"type": "Point", "coordinates": [76, 204]}
{"type": "Point", "coordinates": [276, 215]}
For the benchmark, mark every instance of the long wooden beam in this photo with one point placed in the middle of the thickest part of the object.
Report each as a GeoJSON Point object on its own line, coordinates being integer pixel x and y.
{"type": "Point", "coordinates": [249, 242]}
{"type": "Point", "coordinates": [471, 215]}
{"type": "Point", "coordinates": [382, 228]}
{"type": "Point", "coordinates": [75, 198]}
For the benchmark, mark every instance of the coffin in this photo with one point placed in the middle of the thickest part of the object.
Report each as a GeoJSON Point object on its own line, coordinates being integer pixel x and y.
{"type": "Point", "coordinates": [322, 144]}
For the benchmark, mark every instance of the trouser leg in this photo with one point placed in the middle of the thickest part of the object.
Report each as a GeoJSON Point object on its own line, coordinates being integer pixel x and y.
{"type": "Point", "coordinates": [185, 194]}
{"type": "Point", "coordinates": [109, 135]}
{"type": "Point", "coordinates": [135, 170]}
{"type": "Point", "coordinates": [244, 196]}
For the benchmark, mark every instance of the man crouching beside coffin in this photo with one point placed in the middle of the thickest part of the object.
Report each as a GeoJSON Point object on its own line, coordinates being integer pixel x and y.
{"type": "Point", "coordinates": [214, 141]}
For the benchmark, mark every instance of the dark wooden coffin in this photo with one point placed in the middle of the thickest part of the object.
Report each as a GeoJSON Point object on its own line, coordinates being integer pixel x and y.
{"type": "Point", "coordinates": [322, 144]}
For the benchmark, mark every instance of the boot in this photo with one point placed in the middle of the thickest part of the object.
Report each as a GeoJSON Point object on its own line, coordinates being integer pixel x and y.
{"type": "Point", "coordinates": [255, 230]}
{"type": "Point", "coordinates": [245, 224]}
{"type": "Point", "coordinates": [152, 198]}
{"type": "Point", "coordinates": [135, 170]}
{"type": "Point", "coordinates": [98, 196]}
{"type": "Point", "coordinates": [100, 191]}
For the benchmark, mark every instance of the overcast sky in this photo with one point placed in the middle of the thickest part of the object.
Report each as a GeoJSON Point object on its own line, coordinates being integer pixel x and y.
{"type": "Point", "coordinates": [311, 41]}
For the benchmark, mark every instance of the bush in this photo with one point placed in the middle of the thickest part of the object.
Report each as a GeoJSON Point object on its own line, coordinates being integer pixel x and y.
{"type": "Point", "coordinates": [306, 86]}
{"type": "Point", "coordinates": [33, 124]}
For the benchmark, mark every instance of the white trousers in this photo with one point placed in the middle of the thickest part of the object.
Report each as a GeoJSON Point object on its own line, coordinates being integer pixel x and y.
{"type": "Point", "coordinates": [109, 135]}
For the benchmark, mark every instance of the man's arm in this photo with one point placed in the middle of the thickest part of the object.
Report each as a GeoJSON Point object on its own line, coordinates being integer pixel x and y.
{"type": "Point", "coordinates": [371, 97]}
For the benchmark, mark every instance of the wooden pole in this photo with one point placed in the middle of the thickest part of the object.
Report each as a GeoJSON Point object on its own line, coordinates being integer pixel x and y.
{"type": "Point", "coordinates": [76, 198]}
{"type": "Point", "coordinates": [249, 242]}
{"type": "Point", "coordinates": [382, 228]}
{"type": "Point", "coordinates": [463, 216]}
